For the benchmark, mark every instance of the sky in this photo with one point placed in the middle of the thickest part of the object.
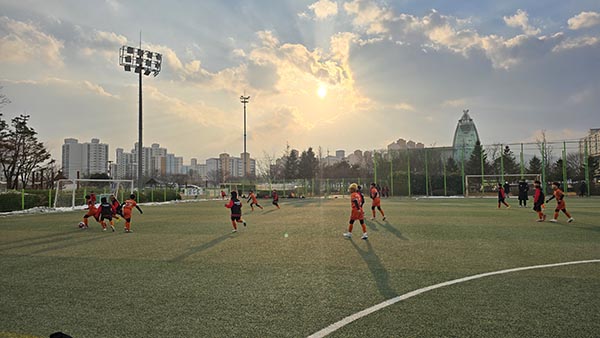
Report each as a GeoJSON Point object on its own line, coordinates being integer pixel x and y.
{"type": "Point", "coordinates": [354, 74]}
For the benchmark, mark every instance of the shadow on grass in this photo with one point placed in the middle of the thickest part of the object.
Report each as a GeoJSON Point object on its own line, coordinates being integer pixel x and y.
{"type": "Point", "coordinates": [199, 248]}
{"type": "Point", "coordinates": [96, 237]}
{"type": "Point", "coordinates": [379, 272]}
{"type": "Point", "coordinates": [582, 226]}
{"type": "Point", "coordinates": [387, 226]}
{"type": "Point", "coordinates": [30, 239]}
{"type": "Point", "coordinates": [371, 225]}
{"type": "Point", "coordinates": [48, 240]}
{"type": "Point", "coordinates": [270, 211]}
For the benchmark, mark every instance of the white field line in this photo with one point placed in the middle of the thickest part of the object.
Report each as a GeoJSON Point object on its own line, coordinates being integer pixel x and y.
{"type": "Point", "coordinates": [345, 321]}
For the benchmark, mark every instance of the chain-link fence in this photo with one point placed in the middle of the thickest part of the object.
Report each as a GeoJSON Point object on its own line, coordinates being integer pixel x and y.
{"type": "Point", "coordinates": [448, 171]}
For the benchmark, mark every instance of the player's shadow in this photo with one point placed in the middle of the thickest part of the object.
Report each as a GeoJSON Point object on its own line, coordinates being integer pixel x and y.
{"type": "Point", "coordinates": [270, 211]}
{"type": "Point", "coordinates": [33, 241]}
{"type": "Point", "coordinates": [387, 226]}
{"type": "Point", "coordinates": [582, 226]}
{"type": "Point", "coordinates": [194, 250]}
{"type": "Point", "coordinates": [379, 272]}
{"type": "Point", "coordinates": [97, 236]}
{"type": "Point", "coordinates": [371, 225]}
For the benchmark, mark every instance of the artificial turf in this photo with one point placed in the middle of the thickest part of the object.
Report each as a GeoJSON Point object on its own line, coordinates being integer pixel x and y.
{"type": "Point", "coordinates": [181, 273]}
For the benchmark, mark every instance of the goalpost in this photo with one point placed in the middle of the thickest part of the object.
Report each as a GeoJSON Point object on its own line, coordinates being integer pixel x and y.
{"type": "Point", "coordinates": [71, 192]}
{"type": "Point", "coordinates": [480, 185]}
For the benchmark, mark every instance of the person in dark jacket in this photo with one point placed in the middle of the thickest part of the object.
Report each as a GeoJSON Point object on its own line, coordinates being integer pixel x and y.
{"type": "Point", "coordinates": [506, 189]}
{"type": "Point", "coordinates": [523, 190]}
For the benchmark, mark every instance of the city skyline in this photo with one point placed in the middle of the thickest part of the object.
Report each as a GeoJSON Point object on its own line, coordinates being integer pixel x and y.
{"type": "Point", "coordinates": [316, 72]}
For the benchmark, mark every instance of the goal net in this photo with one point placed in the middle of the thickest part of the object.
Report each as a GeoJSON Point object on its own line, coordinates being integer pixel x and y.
{"type": "Point", "coordinates": [71, 192]}
{"type": "Point", "coordinates": [487, 185]}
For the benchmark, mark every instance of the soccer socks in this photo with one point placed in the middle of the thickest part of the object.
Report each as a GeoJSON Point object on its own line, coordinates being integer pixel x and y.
{"type": "Point", "coordinates": [567, 213]}
{"type": "Point", "coordinates": [364, 228]}
{"type": "Point", "coordinates": [555, 215]}
{"type": "Point", "coordinates": [381, 211]}
{"type": "Point", "coordinates": [85, 221]}
{"type": "Point", "coordinates": [373, 210]}
{"type": "Point", "coordinates": [234, 225]}
{"type": "Point", "coordinates": [350, 227]}
{"type": "Point", "coordinates": [103, 224]}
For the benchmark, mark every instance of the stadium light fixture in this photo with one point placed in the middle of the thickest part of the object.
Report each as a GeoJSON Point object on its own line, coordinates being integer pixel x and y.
{"type": "Point", "coordinates": [142, 62]}
{"type": "Point", "coordinates": [245, 99]}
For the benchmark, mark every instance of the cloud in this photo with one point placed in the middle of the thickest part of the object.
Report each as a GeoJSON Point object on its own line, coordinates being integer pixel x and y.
{"type": "Point", "coordinates": [71, 86]}
{"type": "Point", "coordinates": [584, 20]}
{"type": "Point", "coordinates": [578, 42]}
{"type": "Point", "coordinates": [368, 16]}
{"type": "Point", "coordinates": [100, 43]}
{"type": "Point", "coordinates": [324, 9]}
{"type": "Point", "coordinates": [403, 106]}
{"type": "Point", "coordinates": [455, 103]}
{"type": "Point", "coordinates": [521, 20]}
{"type": "Point", "coordinates": [22, 42]}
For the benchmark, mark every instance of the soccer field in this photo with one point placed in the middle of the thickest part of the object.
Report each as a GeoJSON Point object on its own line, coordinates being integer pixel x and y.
{"type": "Point", "coordinates": [290, 273]}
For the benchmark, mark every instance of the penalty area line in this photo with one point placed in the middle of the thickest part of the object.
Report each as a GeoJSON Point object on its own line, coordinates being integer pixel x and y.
{"type": "Point", "coordinates": [345, 321]}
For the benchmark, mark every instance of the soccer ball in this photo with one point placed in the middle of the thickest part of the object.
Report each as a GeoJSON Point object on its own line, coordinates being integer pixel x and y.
{"type": "Point", "coordinates": [81, 225]}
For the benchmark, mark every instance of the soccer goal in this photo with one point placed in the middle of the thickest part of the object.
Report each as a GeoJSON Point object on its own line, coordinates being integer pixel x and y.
{"type": "Point", "coordinates": [487, 185]}
{"type": "Point", "coordinates": [71, 192]}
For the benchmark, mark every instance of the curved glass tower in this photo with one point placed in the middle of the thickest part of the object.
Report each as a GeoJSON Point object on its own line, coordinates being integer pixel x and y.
{"type": "Point", "coordinates": [465, 137]}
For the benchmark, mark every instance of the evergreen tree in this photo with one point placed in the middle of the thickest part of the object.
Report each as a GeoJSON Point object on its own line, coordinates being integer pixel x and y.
{"type": "Point", "coordinates": [510, 163]}
{"type": "Point", "coordinates": [308, 164]}
{"type": "Point", "coordinates": [291, 165]}
{"type": "Point", "coordinates": [535, 165]}
{"type": "Point", "coordinates": [473, 165]}
{"type": "Point", "coordinates": [452, 166]}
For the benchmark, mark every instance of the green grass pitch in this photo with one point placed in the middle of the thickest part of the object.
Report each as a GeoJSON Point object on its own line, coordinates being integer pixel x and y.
{"type": "Point", "coordinates": [183, 274]}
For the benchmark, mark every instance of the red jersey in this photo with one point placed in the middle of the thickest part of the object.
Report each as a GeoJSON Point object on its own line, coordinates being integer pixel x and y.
{"type": "Point", "coordinates": [253, 198]}
{"type": "Point", "coordinates": [129, 205]}
{"type": "Point", "coordinates": [91, 205]}
{"type": "Point", "coordinates": [558, 194]}
{"type": "Point", "coordinates": [356, 201]}
{"type": "Point", "coordinates": [374, 193]}
{"type": "Point", "coordinates": [538, 197]}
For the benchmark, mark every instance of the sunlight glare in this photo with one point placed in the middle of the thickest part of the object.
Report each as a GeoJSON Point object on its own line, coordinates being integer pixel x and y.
{"type": "Point", "coordinates": [322, 91]}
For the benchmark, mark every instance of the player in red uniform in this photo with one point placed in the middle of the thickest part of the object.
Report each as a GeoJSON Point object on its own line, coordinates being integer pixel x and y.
{"type": "Point", "coordinates": [275, 199]}
{"type": "Point", "coordinates": [128, 206]}
{"type": "Point", "coordinates": [357, 212]}
{"type": "Point", "coordinates": [91, 211]}
{"type": "Point", "coordinates": [538, 201]}
{"type": "Point", "coordinates": [236, 210]}
{"type": "Point", "coordinates": [105, 212]}
{"type": "Point", "coordinates": [376, 197]}
{"type": "Point", "coordinates": [118, 211]}
{"type": "Point", "coordinates": [502, 196]}
{"type": "Point", "coordinates": [560, 203]}
{"type": "Point", "coordinates": [252, 196]}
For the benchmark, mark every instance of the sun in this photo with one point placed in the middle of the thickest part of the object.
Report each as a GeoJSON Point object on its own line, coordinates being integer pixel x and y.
{"type": "Point", "coordinates": [322, 91]}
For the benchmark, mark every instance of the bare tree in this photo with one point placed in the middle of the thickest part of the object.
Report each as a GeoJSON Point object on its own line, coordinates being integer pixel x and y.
{"type": "Point", "coordinates": [20, 151]}
{"type": "Point", "coordinates": [545, 150]}
{"type": "Point", "coordinates": [266, 167]}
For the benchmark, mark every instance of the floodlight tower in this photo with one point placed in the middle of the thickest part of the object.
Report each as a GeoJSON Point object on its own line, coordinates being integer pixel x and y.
{"type": "Point", "coordinates": [245, 100]}
{"type": "Point", "coordinates": [146, 62]}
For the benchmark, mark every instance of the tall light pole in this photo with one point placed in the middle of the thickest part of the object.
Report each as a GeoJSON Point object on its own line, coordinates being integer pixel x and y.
{"type": "Point", "coordinates": [146, 62]}
{"type": "Point", "coordinates": [245, 100]}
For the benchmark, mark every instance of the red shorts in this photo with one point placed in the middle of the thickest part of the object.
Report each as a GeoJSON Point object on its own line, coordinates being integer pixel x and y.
{"type": "Point", "coordinates": [377, 202]}
{"type": "Point", "coordinates": [357, 215]}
